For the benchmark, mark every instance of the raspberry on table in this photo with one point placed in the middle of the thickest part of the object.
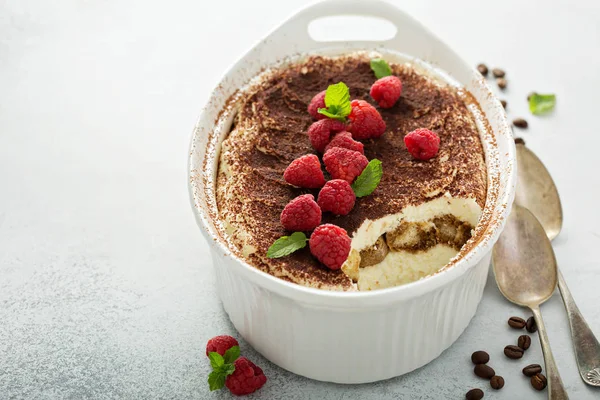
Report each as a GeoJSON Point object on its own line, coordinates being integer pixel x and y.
{"type": "Point", "coordinates": [302, 214]}
{"type": "Point", "coordinates": [330, 244]}
{"type": "Point", "coordinates": [344, 164]}
{"type": "Point", "coordinates": [386, 91]}
{"type": "Point", "coordinates": [320, 132]}
{"type": "Point", "coordinates": [337, 196]}
{"type": "Point", "coordinates": [247, 377]}
{"type": "Point", "coordinates": [365, 121]}
{"type": "Point", "coordinates": [220, 344]}
{"type": "Point", "coordinates": [422, 144]}
{"type": "Point", "coordinates": [317, 102]}
{"type": "Point", "coordinates": [344, 139]}
{"type": "Point", "coordinates": [305, 172]}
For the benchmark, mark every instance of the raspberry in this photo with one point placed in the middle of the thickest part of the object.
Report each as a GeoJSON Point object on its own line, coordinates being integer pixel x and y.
{"type": "Point", "coordinates": [386, 91]}
{"type": "Point", "coordinates": [337, 196]}
{"type": "Point", "coordinates": [247, 378]}
{"type": "Point", "coordinates": [422, 143]}
{"type": "Point", "coordinates": [320, 132]}
{"type": "Point", "coordinates": [220, 344]}
{"type": "Point", "coordinates": [301, 214]}
{"type": "Point", "coordinates": [344, 164]}
{"type": "Point", "coordinates": [365, 121]}
{"type": "Point", "coordinates": [317, 102]}
{"type": "Point", "coordinates": [344, 139]}
{"type": "Point", "coordinates": [330, 244]}
{"type": "Point", "coordinates": [305, 172]}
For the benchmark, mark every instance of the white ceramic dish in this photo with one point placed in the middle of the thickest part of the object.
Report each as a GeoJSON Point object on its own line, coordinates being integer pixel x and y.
{"type": "Point", "coordinates": [365, 336]}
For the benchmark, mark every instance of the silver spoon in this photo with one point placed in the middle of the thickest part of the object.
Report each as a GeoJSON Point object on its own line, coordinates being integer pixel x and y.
{"type": "Point", "coordinates": [526, 273]}
{"type": "Point", "coordinates": [537, 192]}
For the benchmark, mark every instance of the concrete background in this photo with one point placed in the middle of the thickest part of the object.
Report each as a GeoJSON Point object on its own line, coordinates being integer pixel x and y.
{"type": "Point", "coordinates": [106, 290]}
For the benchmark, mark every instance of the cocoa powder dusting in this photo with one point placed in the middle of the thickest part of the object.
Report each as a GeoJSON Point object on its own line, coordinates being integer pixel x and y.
{"type": "Point", "coordinates": [270, 132]}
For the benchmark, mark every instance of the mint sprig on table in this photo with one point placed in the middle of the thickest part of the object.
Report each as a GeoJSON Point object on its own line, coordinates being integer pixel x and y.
{"type": "Point", "coordinates": [286, 245]}
{"type": "Point", "coordinates": [222, 367]}
{"type": "Point", "coordinates": [367, 181]}
{"type": "Point", "coordinates": [541, 103]}
{"type": "Point", "coordinates": [337, 102]}
{"type": "Point", "coordinates": [381, 68]}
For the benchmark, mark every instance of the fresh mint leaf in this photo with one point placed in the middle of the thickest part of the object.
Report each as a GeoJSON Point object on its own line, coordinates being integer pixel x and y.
{"type": "Point", "coordinates": [227, 369]}
{"type": "Point", "coordinates": [368, 180]}
{"type": "Point", "coordinates": [541, 103]}
{"type": "Point", "coordinates": [380, 67]}
{"type": "Point", "coordinates": [286, 245]}
{"type": "Point", "coordinates": [232, 354]}
{"type": "Point", "coordinates": [337, 101]}
{"type": "Point", "coordinates": [216, 380]}
{"type": "Point", "coordinates": [326, 113]}
{"type": "Point", "coordinates": [216, 360]}
{"type": "Point", "coordinates": [338, 96]}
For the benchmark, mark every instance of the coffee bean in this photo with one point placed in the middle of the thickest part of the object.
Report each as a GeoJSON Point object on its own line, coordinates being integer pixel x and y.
{"type": "Point", "coordinates": [484, 371]}
{"type": "Point", "coordinates": [516, 322]}
{"type": "Point", "coordinates": [498, 73]}
{"type": "Point", "coordinates": [539, 382]}
{"type": "Point", "coordinates": [483, 69]}
{"type": "Point", "coordinates": [520, 123]}
{"type": "Point", "coordinates": [513, 352]}
{"type": "Point", "coordinates": [503, 102]}
{"type": "Point", "coordinates": [474, 394]}
{"type": "Point", "coordinates": [519, 140]}
{"type": "Point", "coordinates": [480, 357]}
{"type": "Point", "coordinates": [531, 94]}
{"type": "Point", "coordinates": [531, 325]}
{"type": "Point", "coordinates": [501, 82]}
{"type": "Point", "coordinates": [532, 370]}
{"type": "Point", "coordinates": [497, 382]}
{"type": "Point", "coordinates": [524, 342]}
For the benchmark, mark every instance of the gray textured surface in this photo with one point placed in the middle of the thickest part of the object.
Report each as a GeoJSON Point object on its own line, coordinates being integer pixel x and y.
{"type": "Point", "coordinates": [106, 290]}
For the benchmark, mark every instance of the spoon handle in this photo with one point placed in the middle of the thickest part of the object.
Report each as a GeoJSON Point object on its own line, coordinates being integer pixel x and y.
{"type": "Point", "coordinates": [587, 348]}
{"type": "Point", "coordinates": [556, 390]}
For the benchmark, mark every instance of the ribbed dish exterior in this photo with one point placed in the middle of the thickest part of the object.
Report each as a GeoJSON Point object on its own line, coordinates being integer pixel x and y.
{"type": "Point", "coordinates": [362, 345]}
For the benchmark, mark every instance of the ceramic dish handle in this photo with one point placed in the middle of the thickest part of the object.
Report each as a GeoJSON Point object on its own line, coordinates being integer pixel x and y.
{"type": "Point", "coordinates": [297, 25]}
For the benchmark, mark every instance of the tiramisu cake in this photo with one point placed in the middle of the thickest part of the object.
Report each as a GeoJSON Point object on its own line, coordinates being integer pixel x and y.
{"type": "Point", "coordinates": [350, 173]}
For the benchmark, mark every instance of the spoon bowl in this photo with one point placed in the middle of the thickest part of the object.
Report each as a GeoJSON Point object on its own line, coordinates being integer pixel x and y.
{"type": "Point", "coordinates": [524, 264]}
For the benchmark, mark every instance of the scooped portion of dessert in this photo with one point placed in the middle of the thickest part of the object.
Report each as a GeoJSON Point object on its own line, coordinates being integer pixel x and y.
{"type": "Point", "coordinates": [412, 244]}
{"type": "Point", "coordinates": [350, 173]}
